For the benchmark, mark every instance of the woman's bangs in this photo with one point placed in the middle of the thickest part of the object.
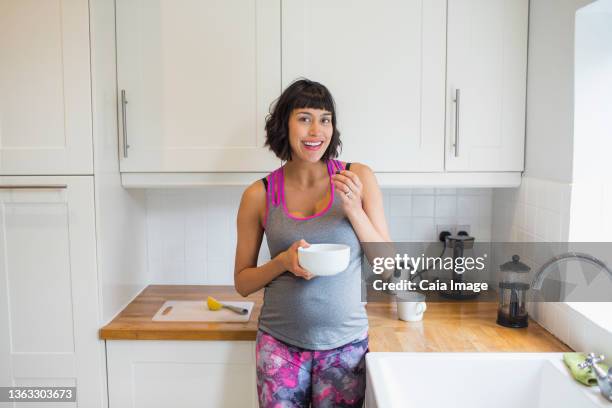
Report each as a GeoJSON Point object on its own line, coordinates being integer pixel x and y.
{"type": "Point", "coordinates": [312, 100]}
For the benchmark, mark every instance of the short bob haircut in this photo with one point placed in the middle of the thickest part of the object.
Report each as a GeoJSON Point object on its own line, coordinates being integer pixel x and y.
{"type": "Point", "coordinates": [302, 93]}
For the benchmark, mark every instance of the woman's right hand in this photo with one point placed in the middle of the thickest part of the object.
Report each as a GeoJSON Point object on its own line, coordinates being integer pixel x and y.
{"type": "Point", "coordinates": [289, 260]}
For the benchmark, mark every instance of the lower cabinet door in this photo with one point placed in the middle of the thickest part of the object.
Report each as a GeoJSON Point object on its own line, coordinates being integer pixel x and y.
{"type": "Point", "coordinates": [48, 288]}
{"type": "Point", "coordinates": [181, 374]}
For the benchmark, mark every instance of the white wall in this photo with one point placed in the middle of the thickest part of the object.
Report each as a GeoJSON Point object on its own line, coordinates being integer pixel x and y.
{"type": "Point", "coordinates": [591, 203]}
{"type": "Point", "coordinates": [591, 219]}
{"type": "Point", "coordinates": [120, 213]}
{"type": "Point", "coordinates": [550, 89]}
{"type": "Point", "coordinates": [191, 233]}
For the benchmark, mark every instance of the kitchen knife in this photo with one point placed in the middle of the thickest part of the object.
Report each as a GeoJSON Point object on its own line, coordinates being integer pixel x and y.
{"type": "Point", "coordinates": [239, 310]}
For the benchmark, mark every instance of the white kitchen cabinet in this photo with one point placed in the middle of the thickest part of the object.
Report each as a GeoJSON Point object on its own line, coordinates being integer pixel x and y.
{"type": "Point", "coordinates": [181, 373]}
{"type": "Point", "coordinates": [384, 62]}
{"type": "Point", "coordinates": [45, 90]}
{"type": "Point", "coordinates": [487, 67]}
{"type": "Point", "coordinates": [49, 304]}
{"type": "Point", "coordinates": [198, 78]}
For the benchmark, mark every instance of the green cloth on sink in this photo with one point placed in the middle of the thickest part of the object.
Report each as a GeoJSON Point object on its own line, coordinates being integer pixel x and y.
{"type": "Point", "coordinates": [584, 375]}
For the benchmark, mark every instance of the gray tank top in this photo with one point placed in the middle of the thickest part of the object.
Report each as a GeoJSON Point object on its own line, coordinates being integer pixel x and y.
{"type": "Point", "coordinates": [324, 312]}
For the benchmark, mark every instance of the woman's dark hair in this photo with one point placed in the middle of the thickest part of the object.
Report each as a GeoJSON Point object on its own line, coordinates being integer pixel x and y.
{"type": "Point", "coordinates": [302, 93]}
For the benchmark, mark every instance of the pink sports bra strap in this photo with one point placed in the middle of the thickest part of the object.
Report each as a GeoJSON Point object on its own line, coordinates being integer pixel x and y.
{"type": "Point", "coordinates": [281, 186]}
{"type": "Point", "coordinates": [278, 184]}
{"type": "Point", "coordinates": [273, 185]}
{"type": "Point", "coordinates": [270, 188]}
{"type": "Point", "coordinates": [273, 188]}
{"type": "Point", "coordinates": [337, 165]}
{"type": "Point", "coordinates": [330, 168]}
{"type": "Point", "coordinates": [275, 182]}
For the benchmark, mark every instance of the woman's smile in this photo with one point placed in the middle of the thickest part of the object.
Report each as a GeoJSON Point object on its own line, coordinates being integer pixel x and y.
{"type": "Point", "coordinates": [312, 144]}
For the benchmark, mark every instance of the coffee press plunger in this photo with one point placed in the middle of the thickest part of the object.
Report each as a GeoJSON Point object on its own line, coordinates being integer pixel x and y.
{"type": "Point", "coordinates": [458, 243]}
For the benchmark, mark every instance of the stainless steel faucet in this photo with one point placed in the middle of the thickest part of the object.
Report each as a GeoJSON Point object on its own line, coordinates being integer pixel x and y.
{"type": "Point", "coordinates": [541, 273]}
{"type": "Point", "coordinates": [603, 379]}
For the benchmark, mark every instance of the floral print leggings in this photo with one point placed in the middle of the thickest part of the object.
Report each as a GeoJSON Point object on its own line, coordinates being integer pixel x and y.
{"type": "Point", "coordinates": [289, 376]}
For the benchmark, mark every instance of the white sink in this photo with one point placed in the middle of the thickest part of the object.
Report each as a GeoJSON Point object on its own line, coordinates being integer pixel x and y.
{"type": "Point", "coordinates": [475, 380]}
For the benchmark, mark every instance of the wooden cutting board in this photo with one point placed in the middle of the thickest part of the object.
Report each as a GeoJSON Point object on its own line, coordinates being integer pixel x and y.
{"type": "Point", "coordinates": [197, 311]}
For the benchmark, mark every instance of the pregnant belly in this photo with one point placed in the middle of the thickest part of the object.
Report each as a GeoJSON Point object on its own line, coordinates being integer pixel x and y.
{"type": "Point", "coordinates": [322, 303]}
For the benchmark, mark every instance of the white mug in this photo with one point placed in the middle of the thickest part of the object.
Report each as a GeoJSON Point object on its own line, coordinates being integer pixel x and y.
{"type": "Point", "coordinates": [410, 306]}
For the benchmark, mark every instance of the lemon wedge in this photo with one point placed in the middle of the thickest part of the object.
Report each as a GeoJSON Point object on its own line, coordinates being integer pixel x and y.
{"type": "Point", "coordinates": [213, 304]}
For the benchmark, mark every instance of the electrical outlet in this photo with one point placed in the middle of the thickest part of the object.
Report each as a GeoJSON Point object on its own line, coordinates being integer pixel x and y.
{"type": "Point", "coordinates": [466, 228]}
{"type": "Point", "coordinates": [445, 227]}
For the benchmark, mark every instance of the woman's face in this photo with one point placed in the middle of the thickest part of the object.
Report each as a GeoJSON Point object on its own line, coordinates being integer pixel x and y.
{"type": "Point", "coordinates": [310, 133]}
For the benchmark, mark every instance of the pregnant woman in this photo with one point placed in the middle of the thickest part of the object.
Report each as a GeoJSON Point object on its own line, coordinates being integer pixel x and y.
{"type": "Point", "coordinates": [313, 330]}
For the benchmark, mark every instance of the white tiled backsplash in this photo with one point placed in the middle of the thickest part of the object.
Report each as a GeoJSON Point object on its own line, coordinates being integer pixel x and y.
{"type": "Point", "coordinates": [539, 211]}
{"type": "Point", "coordinates": [191, 233]}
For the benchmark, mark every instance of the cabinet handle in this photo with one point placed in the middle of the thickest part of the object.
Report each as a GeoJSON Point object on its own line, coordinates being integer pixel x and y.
{"type": "Point", "coordinates": [457, 101]}
{"type": "Point", "coordinates": [32, 186]}
{"type": "Point", "coordinates": [124, 123]}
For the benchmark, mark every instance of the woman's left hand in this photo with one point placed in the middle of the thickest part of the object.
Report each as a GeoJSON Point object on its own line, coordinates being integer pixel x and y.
{"type": "Point", "coordinates": [350, 188]}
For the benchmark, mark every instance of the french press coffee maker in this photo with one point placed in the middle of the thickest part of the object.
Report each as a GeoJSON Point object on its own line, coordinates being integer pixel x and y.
{"type": "Point", "coordinates": [458, 244]}
{"type": "Point", "coordinates": [513, 287]}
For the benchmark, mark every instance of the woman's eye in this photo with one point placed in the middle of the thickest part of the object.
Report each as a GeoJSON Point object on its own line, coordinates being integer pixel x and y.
{"type": "Point", "coordinates": [304, 119]}
{"type": "Point", "coordinates": [326, 120]}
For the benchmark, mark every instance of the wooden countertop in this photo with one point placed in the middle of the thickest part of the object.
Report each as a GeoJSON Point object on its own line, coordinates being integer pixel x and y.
{"type": "Point", "coordinates": [447, 326]}
{"type": "Point", "coordinates": [134, 322]}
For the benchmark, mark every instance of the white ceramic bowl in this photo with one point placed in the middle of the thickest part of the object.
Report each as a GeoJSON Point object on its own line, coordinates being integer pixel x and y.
{"type": "Point", "coordinates": [324, 259]}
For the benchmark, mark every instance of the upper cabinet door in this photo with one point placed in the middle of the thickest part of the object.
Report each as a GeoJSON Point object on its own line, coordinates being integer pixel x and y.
{"type": "Point", "coordinates": [45, 97]}
{"type": "Point", "coordinates": [384, 63]}
{"type": "Point", "coordinates": [487, 70]}
{"type": "Point", "coordinates": [197, 79]}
